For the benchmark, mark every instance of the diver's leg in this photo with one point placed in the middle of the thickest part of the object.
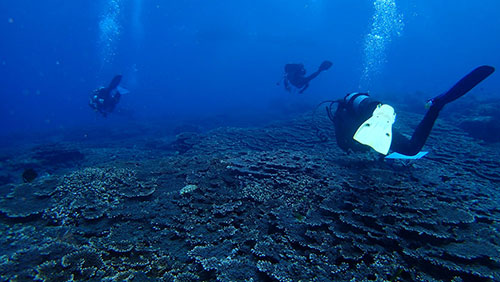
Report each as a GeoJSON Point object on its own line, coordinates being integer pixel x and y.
{"type": "Point", "coordinates": [287, 87]}
{"type": "Point", "coordinates": [411, 147]}
{"type": "Point", "coordinates": [114, 82]}
{"type": "Point", "coordinates": [464, 85]}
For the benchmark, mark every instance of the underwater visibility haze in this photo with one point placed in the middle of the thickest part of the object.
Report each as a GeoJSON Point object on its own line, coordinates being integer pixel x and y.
{"type": "Point", "coordinates": [183, 141]}
{"type": "Point", "coordinates": [190, 58]}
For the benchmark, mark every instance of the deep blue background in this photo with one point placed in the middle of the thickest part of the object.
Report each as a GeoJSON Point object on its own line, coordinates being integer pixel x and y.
{"type": "Point", "coordinates": [198, 58]}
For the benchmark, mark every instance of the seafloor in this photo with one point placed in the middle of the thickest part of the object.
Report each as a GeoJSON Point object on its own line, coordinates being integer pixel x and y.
{"type": "Point", "coordinates": [269, 203]}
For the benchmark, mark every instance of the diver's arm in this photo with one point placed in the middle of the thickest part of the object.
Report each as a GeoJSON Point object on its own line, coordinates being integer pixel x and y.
{"type": "Point", "coordinates": [287, 87]}
{"type": "Point", "coordinates": [304, 88]}
{"type": "Point", "coordinates": [311, 77]}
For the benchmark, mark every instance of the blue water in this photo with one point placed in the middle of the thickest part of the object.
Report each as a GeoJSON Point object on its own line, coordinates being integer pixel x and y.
{"type": "Point", "coordinates": [189, 59]}
{"type": "Point", "coordinates": [148, 192]}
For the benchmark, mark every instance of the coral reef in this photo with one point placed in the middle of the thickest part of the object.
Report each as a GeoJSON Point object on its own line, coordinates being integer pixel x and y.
{"type": "Point", "coordinates": [185, 141]}
{"type": "Point", "coordinates": [91, 192]}
{"type": "Point", "coordinates": [56, 155]}
{"type": "Point", "coordinates": [259, 204]}
{"type": "Point", "coordinates": [481, 121]}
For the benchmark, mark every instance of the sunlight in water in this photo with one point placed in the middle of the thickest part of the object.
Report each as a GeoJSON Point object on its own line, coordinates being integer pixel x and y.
{"type": "Point", "coordinates": [109, 31]}
{"type": "Point", "coordinates": [136, 20]}
{"type": "Point", "coordinates": [386, 23]}
{"type": "Point", "coordinates": [137, 35]}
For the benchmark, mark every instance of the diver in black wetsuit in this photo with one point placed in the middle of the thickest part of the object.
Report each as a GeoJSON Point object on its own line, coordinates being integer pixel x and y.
{"type": "Point", "coordinates": [369, 122]}
{"type": "Point", "coordinates": [295, 75]}
{"type": "Point", "coordinates": [105, 99]}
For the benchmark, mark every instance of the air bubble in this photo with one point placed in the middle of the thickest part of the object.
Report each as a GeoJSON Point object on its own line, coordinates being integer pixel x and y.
{"type": "Point", "coordinates": [109, 31]}
{"type": "Point", "coordinates": [387, 23]}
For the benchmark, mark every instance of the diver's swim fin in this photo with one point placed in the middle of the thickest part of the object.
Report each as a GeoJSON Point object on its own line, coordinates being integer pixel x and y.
{"type": "Point", "coordinates": [114, 83]}
{"type": "Point", "coordinates": [122, 91]}
{"type": "Point", "coordinates": [376, 132]}
{"type": "Point", "coordinates": [463, 86]}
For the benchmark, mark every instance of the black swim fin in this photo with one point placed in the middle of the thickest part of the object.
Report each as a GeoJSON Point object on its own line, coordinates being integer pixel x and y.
{"type": "Point", "coordinates": [463, 86]}
{"type": "Point", "coordinates": [114, 83]}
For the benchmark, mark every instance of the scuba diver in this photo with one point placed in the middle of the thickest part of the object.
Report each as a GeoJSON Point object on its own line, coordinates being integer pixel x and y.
{"type": "Point", "coordinates": [295, 75]}
{"type": "Point", "coordinates": [361, 122]}
{"type": "Point", "coordinates": [105, 99]}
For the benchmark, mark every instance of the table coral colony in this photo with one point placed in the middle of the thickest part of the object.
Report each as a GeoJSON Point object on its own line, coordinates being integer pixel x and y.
{"type": "Point", "coordinates": [268, 203]}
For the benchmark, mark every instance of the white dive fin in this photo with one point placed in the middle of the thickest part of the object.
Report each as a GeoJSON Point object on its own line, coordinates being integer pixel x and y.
{"type": "Point", "coordinates": [399, 156]}
{"type": "Point", "coordinates": [376, 132]}
{"type": "Point", "coordinates": [122, 90]}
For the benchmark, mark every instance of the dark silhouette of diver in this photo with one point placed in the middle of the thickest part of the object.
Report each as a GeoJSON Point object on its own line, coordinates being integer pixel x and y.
{"type": "Point", "coordinates": [361, 122]}
{"type": "Point", "coordinates": [295, 75]}
{"type": "Point", "coordinates": [105, 99]}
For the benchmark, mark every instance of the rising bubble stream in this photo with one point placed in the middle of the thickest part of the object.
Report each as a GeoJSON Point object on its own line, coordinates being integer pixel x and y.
{"type": "Point", "coordinates": [109, 31]}
{"type": "Point", "coordinates": [387, 23]}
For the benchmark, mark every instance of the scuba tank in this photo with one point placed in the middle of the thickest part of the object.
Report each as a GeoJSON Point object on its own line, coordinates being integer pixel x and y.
{"type": "Point", "coordinates": [351, 112]}
{"type": "Point", "coordinates": [353, 102]}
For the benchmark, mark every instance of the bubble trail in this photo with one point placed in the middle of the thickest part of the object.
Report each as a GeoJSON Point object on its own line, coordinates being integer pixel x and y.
{"type": "Point", "coordinates": [387, 22]}
{"type": "Point", "coordinates": [109, 31]}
